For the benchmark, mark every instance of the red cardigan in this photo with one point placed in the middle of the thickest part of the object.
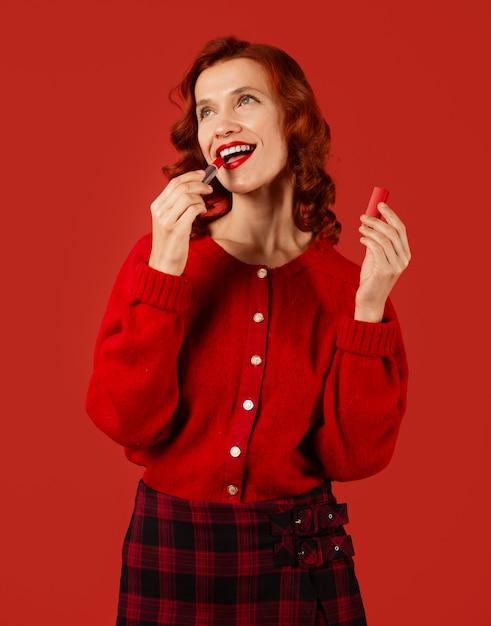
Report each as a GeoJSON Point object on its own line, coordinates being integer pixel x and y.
{"type": "Point", "coordinates": [235, 382]}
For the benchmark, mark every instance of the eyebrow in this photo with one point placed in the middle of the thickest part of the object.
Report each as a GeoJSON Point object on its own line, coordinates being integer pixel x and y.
{"type": "Point", "coordinates": [234, 92]}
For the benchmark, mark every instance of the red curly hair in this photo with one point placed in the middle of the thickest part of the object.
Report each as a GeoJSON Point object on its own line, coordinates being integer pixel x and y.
{"type": "Point", "coordinates": [307, 135]}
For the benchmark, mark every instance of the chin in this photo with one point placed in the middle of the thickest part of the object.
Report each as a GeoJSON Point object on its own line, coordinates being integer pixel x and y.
{"type": "Point", "coordinates": [242, 187]}
{"type": "Point", "coordinates": [247, 185]}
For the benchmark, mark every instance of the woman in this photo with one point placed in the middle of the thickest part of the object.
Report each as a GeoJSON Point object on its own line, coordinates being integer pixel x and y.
{"type": "Point", "coordinates": [246, 364]}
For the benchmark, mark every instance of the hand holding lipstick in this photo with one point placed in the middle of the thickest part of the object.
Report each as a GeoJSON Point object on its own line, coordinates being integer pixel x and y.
{"type": "Point", "coordinates": [387, 256]}
{"type": "Point", "coordinates": [173, 213]}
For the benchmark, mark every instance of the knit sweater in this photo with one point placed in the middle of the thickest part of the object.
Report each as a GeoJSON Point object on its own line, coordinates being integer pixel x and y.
{"type": "Point", "coordinates": [236, 382]}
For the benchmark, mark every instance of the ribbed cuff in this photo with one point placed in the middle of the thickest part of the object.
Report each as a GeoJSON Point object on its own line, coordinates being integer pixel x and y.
{"type": "Point", "coordinates": [366, 338]}
{"type": "Point", "coordinates": [164, 291]}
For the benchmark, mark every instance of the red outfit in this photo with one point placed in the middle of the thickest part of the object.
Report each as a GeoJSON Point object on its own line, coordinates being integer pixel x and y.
{"type": "Point", "coordinates": [234, 382]}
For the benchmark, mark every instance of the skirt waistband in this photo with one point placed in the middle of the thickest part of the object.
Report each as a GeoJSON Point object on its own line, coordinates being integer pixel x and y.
{"type": "Point", "coordinates": [159, 504]}
{"type": "Point", "coordinates": [304, 530]}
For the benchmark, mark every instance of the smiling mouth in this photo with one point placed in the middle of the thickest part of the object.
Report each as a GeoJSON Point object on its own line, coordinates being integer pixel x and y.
{"type": "Point", "coordinates": [234, 152]}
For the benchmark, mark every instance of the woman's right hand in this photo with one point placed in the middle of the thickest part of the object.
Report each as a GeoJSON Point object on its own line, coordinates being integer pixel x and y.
{"type": "Point", "coordinates": [173, 214]}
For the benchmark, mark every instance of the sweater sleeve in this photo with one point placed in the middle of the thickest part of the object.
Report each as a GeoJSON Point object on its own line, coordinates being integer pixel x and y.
{"type": "Point", "coordinates": [365, 398]}
{"type": "Point", "coordinates": [133, 390]}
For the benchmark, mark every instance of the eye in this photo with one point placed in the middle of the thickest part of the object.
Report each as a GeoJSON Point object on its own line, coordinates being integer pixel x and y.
{"type": "Point", "coordinates": [204, 112]}
{"type": "Point", "coordinates": [247, 99]}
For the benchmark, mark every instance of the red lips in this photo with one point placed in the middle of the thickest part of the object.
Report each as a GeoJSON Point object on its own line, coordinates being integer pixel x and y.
{"type": "Point", "coordinates": [238, 157]}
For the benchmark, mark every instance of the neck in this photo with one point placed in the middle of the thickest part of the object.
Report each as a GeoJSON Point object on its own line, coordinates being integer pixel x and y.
{"type": "Point", "coordinates": [260, 230]}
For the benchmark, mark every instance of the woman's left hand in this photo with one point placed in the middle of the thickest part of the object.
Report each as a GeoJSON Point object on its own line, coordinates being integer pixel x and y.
{"type": "Point", "coordinates": [387, 256]}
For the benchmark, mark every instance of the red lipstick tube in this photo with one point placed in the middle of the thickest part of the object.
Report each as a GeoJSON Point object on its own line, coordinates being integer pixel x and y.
{"type": "Point", "coordinates": [212, 169]}
{"type": "Point", "coordinates": [379, 194]}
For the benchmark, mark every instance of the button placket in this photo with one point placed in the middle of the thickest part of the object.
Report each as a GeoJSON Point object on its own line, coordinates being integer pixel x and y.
{"type": "Point", "coordinates": [250, 381]}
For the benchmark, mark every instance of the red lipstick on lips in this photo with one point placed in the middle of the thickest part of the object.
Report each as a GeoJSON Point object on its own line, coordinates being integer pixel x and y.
{"type": "Point", "coordinates": [238, 160]}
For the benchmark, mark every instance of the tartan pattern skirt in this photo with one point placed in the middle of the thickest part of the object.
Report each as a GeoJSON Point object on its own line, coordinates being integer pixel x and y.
{"type": "Point", "coordinates": [285, 562]}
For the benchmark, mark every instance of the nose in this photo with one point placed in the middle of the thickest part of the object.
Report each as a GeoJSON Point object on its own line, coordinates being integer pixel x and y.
{"type": "Point", "coordinates": [226, 124]}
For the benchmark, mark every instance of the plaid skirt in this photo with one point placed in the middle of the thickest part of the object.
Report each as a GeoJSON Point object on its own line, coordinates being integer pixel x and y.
{"type": "Point", "coordinates": [285, 562]}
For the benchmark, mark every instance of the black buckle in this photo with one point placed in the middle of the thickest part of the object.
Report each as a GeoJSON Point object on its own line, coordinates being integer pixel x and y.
{"type": "Point", "coordinates": [305, 522]}
{"type": "Point", "coordinates": [317, 551]}
{"type": "Point", "coordinates": [309, 552]}
{"type": "Point", "coordinates": [308, 520]}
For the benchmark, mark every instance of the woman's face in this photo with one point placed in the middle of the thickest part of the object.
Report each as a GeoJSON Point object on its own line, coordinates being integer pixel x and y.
{"type": "Point", "coordinates": [240, 118]}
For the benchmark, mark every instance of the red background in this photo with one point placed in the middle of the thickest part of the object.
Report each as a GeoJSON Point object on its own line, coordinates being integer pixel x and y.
{"type": "Point", "coordinates": [85, 122]}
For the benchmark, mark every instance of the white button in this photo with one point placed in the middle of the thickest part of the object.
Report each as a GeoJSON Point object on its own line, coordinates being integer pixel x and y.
{"type": "Point", "coordinates": [232, 490]}
{"type": "Point", "coordinates": [256, 359]}
{"type": "Point", "coordinates": [248, 405]}
{"type": "Point", "coordinates": [235, 451]}
{"type": "Point", "coordinates": [336, 548]}
{"type": "Point", "coordinates": [262, 272]}
{"type": "Point", "coordinates": [330, 516]}
{"type": "Point", "coordinates": [258, 317]}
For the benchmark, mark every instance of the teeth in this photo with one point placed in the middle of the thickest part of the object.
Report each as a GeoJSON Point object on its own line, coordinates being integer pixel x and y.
{"type": "Point", "coordinates": [234, 149]}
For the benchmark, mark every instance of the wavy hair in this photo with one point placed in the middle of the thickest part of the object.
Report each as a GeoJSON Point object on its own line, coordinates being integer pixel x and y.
{"type": "Point", "coordinates": [307, 135]}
